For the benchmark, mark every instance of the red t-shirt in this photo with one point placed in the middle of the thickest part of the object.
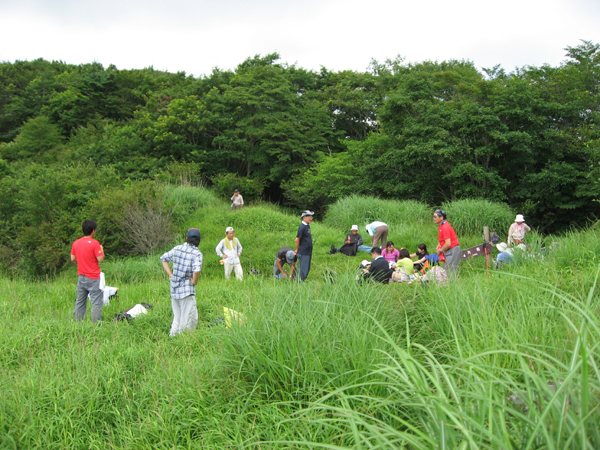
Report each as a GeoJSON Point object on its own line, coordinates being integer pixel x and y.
{"type": "Point", "coordinates": [86, 250]}
{"type": "Point", "coordinates": [447, 232]}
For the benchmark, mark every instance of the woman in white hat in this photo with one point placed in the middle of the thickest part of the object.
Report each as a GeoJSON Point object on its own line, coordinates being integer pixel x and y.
{"type": "Point", "coordinates": [517, 230]}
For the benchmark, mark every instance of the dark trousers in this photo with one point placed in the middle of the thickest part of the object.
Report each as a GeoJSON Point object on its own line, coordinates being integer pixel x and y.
{"type": "Point", "coordinates": [304, 261]}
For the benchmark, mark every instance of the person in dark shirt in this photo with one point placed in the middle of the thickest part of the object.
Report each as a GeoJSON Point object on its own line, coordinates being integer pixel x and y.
{"type": "Point", "coordinates": [351, 244]}
{"type": "Point", "coordinates": [421, 254]}
{"type": "Point", "coordinates": [284, 255]}
{"type": "Point", "coordinates": [304, 244]}
{"type": "Point", "coordinates": [379, 270]}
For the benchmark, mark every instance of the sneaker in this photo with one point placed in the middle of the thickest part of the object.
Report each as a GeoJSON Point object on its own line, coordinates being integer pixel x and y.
{"type": "Point", "coordinates": [333, 249]}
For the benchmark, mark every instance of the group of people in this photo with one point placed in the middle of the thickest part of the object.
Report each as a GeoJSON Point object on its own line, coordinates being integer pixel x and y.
{"type": "Point", "coordinates": [388, 262]}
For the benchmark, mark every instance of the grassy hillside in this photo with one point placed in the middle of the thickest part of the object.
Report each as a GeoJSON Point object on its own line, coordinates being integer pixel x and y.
{"type": "Point", "coordinates": [505, 359]}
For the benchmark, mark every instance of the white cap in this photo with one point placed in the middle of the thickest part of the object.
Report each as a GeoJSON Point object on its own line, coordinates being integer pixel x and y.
{"type": "Point", "coordinates": [354, 227]}
{"type": "Point", "coordinates": [228, 229]}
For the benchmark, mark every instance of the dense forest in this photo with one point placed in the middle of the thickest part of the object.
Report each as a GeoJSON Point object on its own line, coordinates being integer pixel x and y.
{"type": "Point", "coordinates": [87, 141]}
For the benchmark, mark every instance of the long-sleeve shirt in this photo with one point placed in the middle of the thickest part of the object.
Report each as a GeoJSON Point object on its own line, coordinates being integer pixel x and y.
{"type": "Point", "coordinates": [517, 233]}
{"type": "Point", "coordinates": [230, 253]}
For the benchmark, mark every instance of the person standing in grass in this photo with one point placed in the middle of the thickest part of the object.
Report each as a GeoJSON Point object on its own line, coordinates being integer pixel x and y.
{"type": "Point", "coordinates": [238, 200]}
{"type": "Point", "coordinates": [230, 249]}
{"type": "Point", "coordinates": [187, 264]}
{"type": "Point", "coordinates": [516, 232]}
{"type": "Point", "coordinates": [88, 254]}
{"type": "Point", "coordinates": [378, 232]}
{"type": "Point", "coordinates": [304, 244]}
{"type": "Point", "coordinates": [448, 243]}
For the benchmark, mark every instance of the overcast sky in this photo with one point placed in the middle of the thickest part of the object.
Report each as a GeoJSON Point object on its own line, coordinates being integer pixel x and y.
{"type": "Point", "coordinates": [196, 36]}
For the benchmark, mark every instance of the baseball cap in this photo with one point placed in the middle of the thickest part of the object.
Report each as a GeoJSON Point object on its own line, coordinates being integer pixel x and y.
{"type": "Point", "coordinates": [193, 232]}
{"type": "Point", "coordinates": [290, 257]}
{"type": "Point", "coordinates": [228, 229]}
{"type": "Point", "coordinates": [307, 213]}
{"type": "Point", "coordinates": [354, 227]}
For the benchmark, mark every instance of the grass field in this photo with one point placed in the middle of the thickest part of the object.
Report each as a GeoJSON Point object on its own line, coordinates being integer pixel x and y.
{"type": "Point", "coordinates": [498, 359]}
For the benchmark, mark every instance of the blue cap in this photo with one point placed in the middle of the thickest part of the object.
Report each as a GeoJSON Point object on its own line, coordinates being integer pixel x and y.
{"type": "Point", "coordinates": [193, 232]}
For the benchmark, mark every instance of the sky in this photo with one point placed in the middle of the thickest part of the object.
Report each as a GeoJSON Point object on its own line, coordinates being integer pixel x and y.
{"type": "Point", "coordinates": [196, 36]}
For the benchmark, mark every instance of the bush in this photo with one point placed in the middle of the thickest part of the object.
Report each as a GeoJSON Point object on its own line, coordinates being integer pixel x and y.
{"type": "Point", "coordinates": [121, 209]}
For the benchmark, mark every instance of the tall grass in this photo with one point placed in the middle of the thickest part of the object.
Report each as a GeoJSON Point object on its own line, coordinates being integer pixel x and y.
{"type": "Point", "coordinates": [322, 364]}
{"type": "Point", "coordinates": [183, 201]}
{"type": "Point", "coordinates": [362, 210]}
{"type": "Point", "coordinates": [469, 216]}
{"type": "Point", "coordinates": [486, 386]}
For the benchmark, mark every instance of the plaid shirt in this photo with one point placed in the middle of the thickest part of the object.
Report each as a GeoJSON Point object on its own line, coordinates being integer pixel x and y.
{"type": "Point", "coordinates": [187, 259]}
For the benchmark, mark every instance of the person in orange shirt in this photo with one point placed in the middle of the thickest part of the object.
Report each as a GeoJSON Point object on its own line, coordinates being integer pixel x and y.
{"type": "Point", "coordinates": [88, 254]}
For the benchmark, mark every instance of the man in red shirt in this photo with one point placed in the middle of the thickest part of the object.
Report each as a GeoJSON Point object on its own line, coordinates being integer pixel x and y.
{"type": "Point", "coordinates": [88, 253]}
{"type": "Point", "coordinates": [449, 244]}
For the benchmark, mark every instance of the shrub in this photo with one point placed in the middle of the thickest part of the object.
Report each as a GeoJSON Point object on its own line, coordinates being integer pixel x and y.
{"type": "Point", "coordinates": [120, 208]}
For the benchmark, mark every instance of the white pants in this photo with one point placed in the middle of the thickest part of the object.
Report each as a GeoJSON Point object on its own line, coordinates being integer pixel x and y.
{"type": "Point", "coordinates": [185, 315]}
{"type": "Point", "coordinates": [237, 269]}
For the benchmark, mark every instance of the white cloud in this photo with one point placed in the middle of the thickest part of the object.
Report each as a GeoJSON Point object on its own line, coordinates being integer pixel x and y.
{"type": "Point", "coordinates": [195, 36]}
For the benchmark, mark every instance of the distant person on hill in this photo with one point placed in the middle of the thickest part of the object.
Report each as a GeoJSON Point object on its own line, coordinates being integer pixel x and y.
{"type": "Point", "coordinates": [516, 232]}
{"type": "Point", "coordinates": [379, 270]}
{"type": "Point", "coordinates": [351, 244]}
{"type": "Point", "coordinates": [378, 232]}
{"type": "Point", "coordinates": [238, 200]}
{"type": "Point", "coordinates": [389, 253]}
{"type": "Point", "coordinates": [230, 249]}
{"type": "Point", "coordinates": [448, 243]}
{"type": "Point", "coordinates": [187, 264]}
{"type": "Point", "coordinates": [283, 256]}
{"type": "Point", "coordinates": [88, 254]}
{"type": "Point", "coordinates": [421, 253]}
{"type": "Point", "coordinates": [304, 244]}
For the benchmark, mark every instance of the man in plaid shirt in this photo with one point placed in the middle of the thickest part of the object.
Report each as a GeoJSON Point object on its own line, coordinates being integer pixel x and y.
{"type": "Point", "coordinates": [187, 264]}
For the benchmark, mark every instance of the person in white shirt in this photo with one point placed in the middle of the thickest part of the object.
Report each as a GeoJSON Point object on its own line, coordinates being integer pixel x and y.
{"type": "Point", "coordinates": [230, 249]}
{"type": "Point", "coordinates": [378, 231]}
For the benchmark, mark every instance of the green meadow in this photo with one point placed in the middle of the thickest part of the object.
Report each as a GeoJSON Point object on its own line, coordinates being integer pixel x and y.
{"type": "Point", "coordinates": [498, 359]}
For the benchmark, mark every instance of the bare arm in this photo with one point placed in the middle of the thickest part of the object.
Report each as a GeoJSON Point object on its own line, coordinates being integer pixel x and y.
{"type": "Point", "coordinates": [446, 246]}
{"type": "Point", "coordinates": [167, 268]}
{"type": "Point", "coordinates": [73, 259]}
{"type": "Point", "coordinates": [280, 267]}
{"type": "Point", "coordinates": [297, 243]}
{"type": "Point", "coordinates": [292, 268]}
{"type": "Point", "coordinates": [101, 257]}
{"type": "Point", "coordinates": [195, 277]}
